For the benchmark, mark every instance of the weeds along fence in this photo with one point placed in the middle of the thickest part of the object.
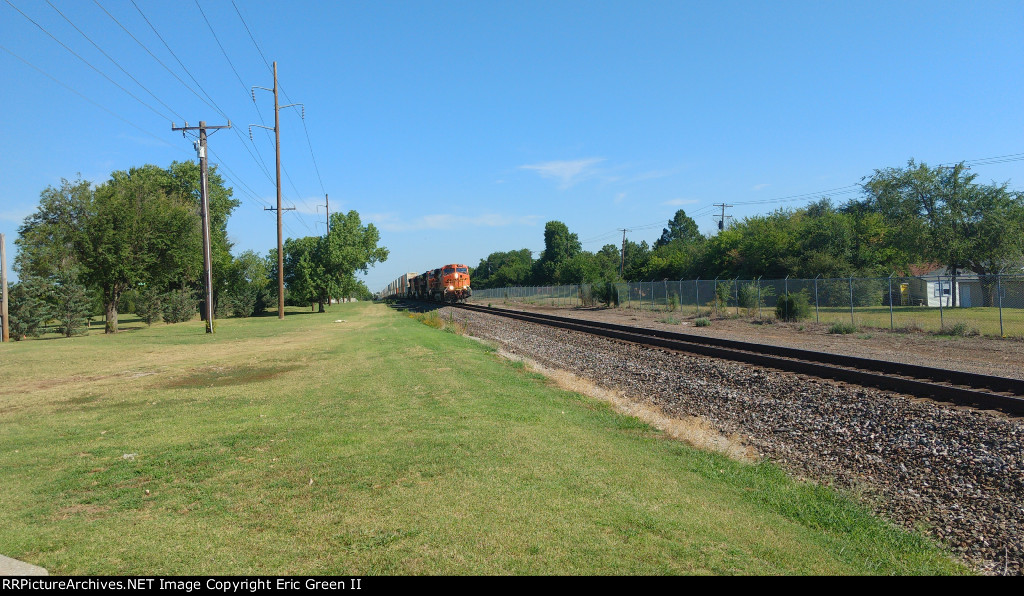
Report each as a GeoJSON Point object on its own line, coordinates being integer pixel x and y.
{"type": "Point", "coordinates": [959, 305]}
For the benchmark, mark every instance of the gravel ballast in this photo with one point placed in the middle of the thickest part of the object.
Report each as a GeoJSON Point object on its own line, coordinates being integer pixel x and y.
{"type": "Point", "coordinates": [956, 472]}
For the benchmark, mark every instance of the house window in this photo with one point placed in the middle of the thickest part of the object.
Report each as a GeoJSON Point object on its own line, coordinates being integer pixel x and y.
{"type": "Point", "coordinates": [942, 288]}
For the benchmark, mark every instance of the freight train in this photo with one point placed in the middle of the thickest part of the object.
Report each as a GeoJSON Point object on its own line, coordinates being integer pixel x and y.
{"type": "Point", "coordinates": [444, 284]}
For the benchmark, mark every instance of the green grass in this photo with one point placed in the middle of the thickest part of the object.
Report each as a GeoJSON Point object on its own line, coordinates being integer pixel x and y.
{"type": "Point", "coordinates": [379, 446]}
{"type": "Point", "coordinates": [842, 328]}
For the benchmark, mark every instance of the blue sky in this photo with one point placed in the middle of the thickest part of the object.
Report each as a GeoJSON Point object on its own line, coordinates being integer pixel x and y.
{"type": "Point", "coordinates": [460, 128]}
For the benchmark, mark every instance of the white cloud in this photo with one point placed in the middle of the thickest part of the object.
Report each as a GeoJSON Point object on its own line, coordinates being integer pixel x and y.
{"type": "Point", "coordinates": [620, 197]}
{"type": "Point", "coordinates": [445, 221]}
{"type": "Point", "coordinates": [567, 172]}
{"type": "Point", "coordinates": [681, 202]}
{"type": "Point", "coordinates": [761, 186]}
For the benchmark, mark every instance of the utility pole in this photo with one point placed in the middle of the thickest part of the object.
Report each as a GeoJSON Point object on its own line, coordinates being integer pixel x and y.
{"type": "Point", "coordinates": [277, 148]}
{"type": "Point", "coordinates": [327, 209]}
{"type": "Point", "coordinates": [622, 258]}
{"type": "Point", "coordinates": [204, 212]}
{"type": "Point", "coordinates": [5, 335]}
{"type": "Point", "coordinates": [721, 222]}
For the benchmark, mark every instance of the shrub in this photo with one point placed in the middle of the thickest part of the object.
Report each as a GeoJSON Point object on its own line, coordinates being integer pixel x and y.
{"type": "Point", "coordinates": [179, 305]}
{"type": "Point", "coordinates": [702, 322]}
{"type": "Point", "coordinates": [842, 328]}
{"type": "Point", "coordinates": [70, 304]}
{"type": "Point", "coordinates": [793, 307]}
{"type": "Point", "coordinates": [959, 329]}
{"type": "Point", "coordinates": [748, 297]}
{"type": "Point", "coordinates": [149, 305]}
{"type": "Point", "coordinates": [27, 308]}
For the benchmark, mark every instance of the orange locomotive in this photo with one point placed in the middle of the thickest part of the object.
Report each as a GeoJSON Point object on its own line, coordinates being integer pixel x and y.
{"type": "Point", "coordinates": [444, 284]}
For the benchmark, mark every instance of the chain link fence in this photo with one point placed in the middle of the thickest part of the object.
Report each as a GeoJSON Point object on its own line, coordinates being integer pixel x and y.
{"type": "Point", "coordinates": [957, 305]}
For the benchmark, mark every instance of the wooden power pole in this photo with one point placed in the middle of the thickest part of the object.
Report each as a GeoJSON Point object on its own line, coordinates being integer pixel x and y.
{"type": "Point", "coordinates": [277, 149]}
{"type": "Point", "coordinates": [622, 258]}
{"type": "Point", "coordinates": [5, 335]}
{"type": "Point", "coordinates": [204, 211]}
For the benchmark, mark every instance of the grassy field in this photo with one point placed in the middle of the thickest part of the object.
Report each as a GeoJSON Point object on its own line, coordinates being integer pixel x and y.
{"type": "Point", "coordinates": [379, 445]}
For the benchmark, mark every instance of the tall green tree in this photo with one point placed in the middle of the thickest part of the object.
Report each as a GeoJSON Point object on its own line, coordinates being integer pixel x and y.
{"type": "Point", "coordinates": [136, 232]}
{"type": "Point", "coordinates": [952, 219]}
{"type": "Point", "coordinates": [681, 228]}
{"type": "Point", "coordinates": [560, 245]}
{"type": "Point", "coordinates": [317, 268]}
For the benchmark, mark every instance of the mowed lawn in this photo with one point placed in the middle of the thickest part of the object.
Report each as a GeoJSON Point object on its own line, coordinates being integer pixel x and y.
{"type": "Point", "coordinates": [378, 445]}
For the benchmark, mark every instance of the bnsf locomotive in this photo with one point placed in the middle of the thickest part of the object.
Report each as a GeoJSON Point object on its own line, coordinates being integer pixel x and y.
{"type": "Point", "coordinates": [444, 284]}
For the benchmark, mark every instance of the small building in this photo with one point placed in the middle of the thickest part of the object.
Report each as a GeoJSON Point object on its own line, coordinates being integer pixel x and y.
{"type": "Point", "coordinates": [936, 286]}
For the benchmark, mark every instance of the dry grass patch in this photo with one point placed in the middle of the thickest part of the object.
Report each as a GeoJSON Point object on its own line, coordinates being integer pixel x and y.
{"type": "Point", "coordinates": [696, 431]}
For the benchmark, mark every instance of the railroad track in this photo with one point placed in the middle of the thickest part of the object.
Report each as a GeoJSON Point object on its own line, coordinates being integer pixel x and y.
{"type": "Point", "coordinates": [961, 388]}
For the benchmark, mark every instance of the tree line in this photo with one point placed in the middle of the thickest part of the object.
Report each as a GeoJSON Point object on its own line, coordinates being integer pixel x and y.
{"type": "Point", "coordinates": [134, 243]}
{"type": "Point", "coordinates": [906, 215]}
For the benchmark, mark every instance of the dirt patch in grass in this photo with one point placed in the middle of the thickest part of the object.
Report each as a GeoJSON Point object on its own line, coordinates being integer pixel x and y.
{"type": "Point", "coordinates": [222, 376]}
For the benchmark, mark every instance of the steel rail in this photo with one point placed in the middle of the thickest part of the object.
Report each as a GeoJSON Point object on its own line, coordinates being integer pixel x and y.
{"type": "Point", "coordinates": [963, 388]}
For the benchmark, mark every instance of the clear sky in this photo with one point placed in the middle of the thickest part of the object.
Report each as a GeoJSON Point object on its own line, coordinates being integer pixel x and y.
{"type": "Point", "coordinates": [460, 128]}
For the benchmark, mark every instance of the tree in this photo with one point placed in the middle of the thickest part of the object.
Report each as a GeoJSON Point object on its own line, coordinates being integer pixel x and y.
{"type": "Point", "coordinates": [70, 303]}
{"type": "Point", "coordinates": [247, 281]}
{"type": "Point", "coordinates": [135, 232]}
{"type": "Point", "coordinates": [559, 245]}
{"type": "Point", "coordinates": [504, 269]}
{"type": "Point", "coordinates": [950, 218]}
{"type": "Point", "coordinates": [184, 181]}
{"type": "Point", "coordinates": [28, 310]}
{"type": "Point", "coordinates": [49, 239]}
{"type": "Point", "coordinates": [681, 228]}
{"type": "Point", "coordinates": [319, 267]}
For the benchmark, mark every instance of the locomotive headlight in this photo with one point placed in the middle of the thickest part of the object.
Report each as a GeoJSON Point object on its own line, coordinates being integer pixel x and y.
{"type": "Point", "coordinates": [451, 287]}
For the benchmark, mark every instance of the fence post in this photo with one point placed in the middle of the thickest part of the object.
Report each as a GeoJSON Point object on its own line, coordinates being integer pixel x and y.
{"type": "Point", "coordinates": [736, 291]}
{"type": "Point", "coordinates": [891, 327]}
{"type": "Point", "coordinates": [759, 297]}
{"type": "Point", "coordinates": [787, 297]}
{"type": "Point", "coordinates": [696, 295]}
{"type": "Point", "coordinates": [942, 322]}
{"type": "Point", "coordinates": [999, 296]}
{"type": "Point", "coordinates": [715, 294]}
{"type": "Point", "coordinates": [817, 317]}
{"type": "Point", "coordinates": [851, 301]}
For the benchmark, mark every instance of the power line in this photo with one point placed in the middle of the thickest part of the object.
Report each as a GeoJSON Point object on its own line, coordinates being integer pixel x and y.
{"type": "Point", "coordinates": [287, 98]}
{"type": "Point", "coordinates": [98, 105]}
{"type": "Point", "coordinates": [245, 89]}
{"type": "Point", "coordinates": [87, 63]}
{"type": "Point", "coordinates": [160, 37]}
{"type": "Point", "coordinates": [115, 62]}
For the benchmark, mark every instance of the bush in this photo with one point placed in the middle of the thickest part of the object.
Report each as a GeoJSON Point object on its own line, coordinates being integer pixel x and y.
{"type": "Point", "coordinates": [27, 308]}
{"type": "Point", "coordinates": [179, 306]}
{"type": "Point", "coordinates": [959, 329]}
{"type": "Point", "coordinates": [793, 307]}
{"type": "Point", "coordinates": [702, 322]}
{"type": "Point", "coordinates": [842, 328]}
{"type": "Point", "coordinates": [748, 297]}
{"type": "Point", "coordinates": [605, 292]}
{"type": "Point", "coordinates": [70, 305]}
{"type": "Point", "coordinates": [149, 305]}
